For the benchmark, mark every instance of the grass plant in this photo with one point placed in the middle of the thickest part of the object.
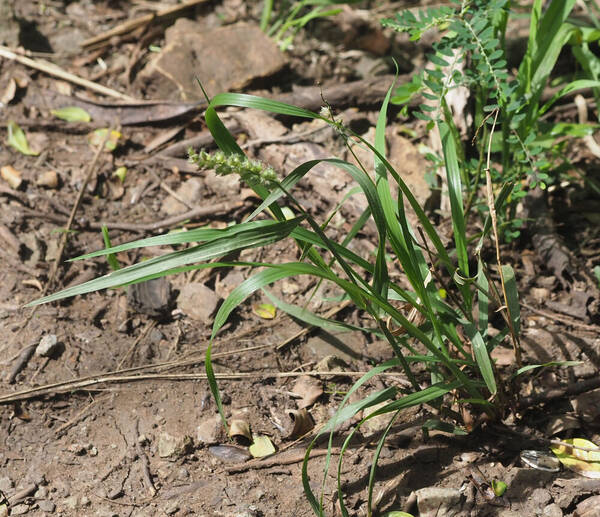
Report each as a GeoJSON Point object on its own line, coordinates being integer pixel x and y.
{"type": "Point", "coordinates": [451, 288]}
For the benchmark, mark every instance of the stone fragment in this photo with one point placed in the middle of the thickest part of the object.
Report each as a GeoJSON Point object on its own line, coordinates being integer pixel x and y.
{"type": "Point", "coordinates": [198, 302]}
{"type": "Point", "coordinates": [224, 59]}
{"type": "Point", "coordinates": [47, 345]}
{"type": "Point", "coordinates": [46, 506]}
{"type": "Point", "coordinates": [438, 502]}
{"type": "Point", "coordinates": [552, 510]}
{"type": "Point", "coordinates": [6, 484]}
{"type": "Point", "coordinates": [174, 446]}
{"type": "Point", "coordinates": [48, 179]}
{"type": "Point", "coordinates": [210, 431]}
{"type": "Point", "coordinates": [19, 509]}
{"type": "Point", "coordinates": [152, 297]}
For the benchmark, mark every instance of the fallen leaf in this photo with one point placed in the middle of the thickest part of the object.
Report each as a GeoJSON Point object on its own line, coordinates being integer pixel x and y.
{"type": "Point", "coordinates": [239, 428]}
{"type": "Point", "coordinates": [499, 487]}
{"type": "Point", "coordinates": [72, 114]}
{"type": "Point", "coordinates": [9, 92]}
{"type": "Point", "coordinates": [97, 137]}
{"type": "Point", "coordinates": [48, 179]}
{"type": "Point", "coordinates": [262, 446]}
{"type": "Point", "coordinates": [397, 514]}
{"type": "Point", "coordinates": [11, 175]}
{"type": "Point", "coordinates": [303, 423]}
{"type": "Point", "coordinates": [265, 311]}
{"type": "Point", "coordinates": [18, 140]}
{"type": "Point", "coordinates": [309, 389]}
{"type": "Point", "coordinates": [584, 462]}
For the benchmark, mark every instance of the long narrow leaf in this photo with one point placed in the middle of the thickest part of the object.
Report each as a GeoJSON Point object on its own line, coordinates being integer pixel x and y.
{"type": "Point", "coordinates": [248, 239]}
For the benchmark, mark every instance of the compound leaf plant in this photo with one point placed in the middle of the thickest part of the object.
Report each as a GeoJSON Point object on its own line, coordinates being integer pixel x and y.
{"type": "Point", "coordinates": [452, 289]}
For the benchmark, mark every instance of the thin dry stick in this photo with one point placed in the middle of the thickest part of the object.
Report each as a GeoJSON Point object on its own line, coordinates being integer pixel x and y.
{"type": "Point", "coordinates": [492, 208]}
{"type": "Point", "coordinates": [201, 211]}
{"type": "Point", "coordinates": [52, 69]}
{"type": "Point", "coordinates": [84, 383]}
{"type": "Point", "coordinates": [75, 419]}
{"type": "Point", "coordinates": [64, 236]}
{"type": "Point", "coordinates": [63, 242]}
{"type": "Point", "coordinates": [130, 25]}
{"type": "Point", "coordinates": [142, 335]}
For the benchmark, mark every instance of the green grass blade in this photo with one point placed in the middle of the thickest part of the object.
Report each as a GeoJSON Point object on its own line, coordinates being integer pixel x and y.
{"type": "Point", "coordinates": [110, 257]}
{"type": "Point", "coordinates": [482, 357]}
{"type": "Point", "coordinates": [247, 239]}
{"type": "Point", "coordinates": [303, 314]}
{"type": "Point", "coordinates": [456, 195]}
{"type": "Point", "coordinates": [252, 101]}
{"type": "Point", "coordinates": [512, 295]}
{"type": "Point", "coordinates": [482, 298]}
{"type": "Point", "coordinates": [173, 238]}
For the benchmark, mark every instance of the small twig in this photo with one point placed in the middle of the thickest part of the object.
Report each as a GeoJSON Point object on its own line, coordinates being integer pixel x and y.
{"type": "Point", "coordinates": [201, 211]}
{"type": "Point", "coordinates": [142, 335]}
{"type": "Point", "coordinates": [492, 209]}
{"type": "Point", "coordinates": [73, 420]}
{"type": "Point", "coordinates": [130, 25]}
{"type": "Point", "coordinates": [575, 388]}
{"type": "Point", "coordinates": [562, 318]}
{"type": "Point", "coordinates": [145, 463]}
{"type": "Point", "coordinates": [24, 356]}
{"type": "Point", "coordinates": [63, 242]}
{"type": "Point", "coordinates": [52, 69]}
{"type": "Point", "coordinates": [85, 383]}
{"type": "Point", "coordinates": [25, 492]}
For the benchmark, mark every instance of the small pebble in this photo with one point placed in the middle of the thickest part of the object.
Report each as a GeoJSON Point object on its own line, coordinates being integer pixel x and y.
{"type": "Point", "coordinates": [19, 509]}
{"type": "Point", "coordinates": [552, 510]}
{"type": "Point", "coordinates": [48, 344]}
{"type": "Point", "coordinates": [6, 484]}
{"type": "Point", "coordinates": [46, 506]}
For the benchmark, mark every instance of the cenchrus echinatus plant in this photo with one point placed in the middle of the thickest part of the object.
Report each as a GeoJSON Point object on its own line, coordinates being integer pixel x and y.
{"type": "Point", "coordinates": [450, 287]}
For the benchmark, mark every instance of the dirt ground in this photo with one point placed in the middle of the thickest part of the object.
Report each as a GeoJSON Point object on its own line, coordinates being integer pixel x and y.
{"type": "Point", "coordinates": [117, 418]}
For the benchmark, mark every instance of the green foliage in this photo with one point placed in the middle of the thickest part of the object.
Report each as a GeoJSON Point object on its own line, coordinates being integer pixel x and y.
{"type": "Point", "coordinates": [284, 20]}
{"type": "Point", "coordinates": [450, 338]}
{"type": "Point", "coordinates": [441, 289]}
{"type": "Point", "coordinates": [472, 53]}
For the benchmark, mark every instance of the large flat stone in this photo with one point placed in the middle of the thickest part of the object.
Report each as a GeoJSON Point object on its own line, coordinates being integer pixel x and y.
{"type": "Point", "coordinates": [223, 59]}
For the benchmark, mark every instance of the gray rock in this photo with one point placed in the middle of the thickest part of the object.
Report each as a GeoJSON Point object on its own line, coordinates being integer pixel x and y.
{"type": "Point", "coordinates": [46, 506]}
{"type": "Point", "coordinates": [552, 510]}
{"type": "Point", "coordinates": [173, 446]}
{"type": "Point", "coordinates": [198, 302]}
{"type": "Point", "coordinates": [438, 502]}
{"type": "Point", "coordinates": [47, 345]}
{"type": "Point", "coordinates": [19, 509]}
{"type": "Point", "coordinates": [6, 484]}
{"type": "Point", "coordinates": [191, 51]}
{"type": "Point", "coordinates": [152, 297]}
{"type": "Point", "coordinates": [209, 431]}
{"type": "Point", "coordinates": [71, 502]}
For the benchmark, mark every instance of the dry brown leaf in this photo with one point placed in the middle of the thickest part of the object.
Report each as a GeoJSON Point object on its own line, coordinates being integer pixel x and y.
{"type": "Point", "coordinates": [240, 429]}
{"type": "Point", "coordinates": [303, 423]}
{"type": "Point", "coordinates": [309, 389]}
{"type": "Point", "coordinates": [11, 175]}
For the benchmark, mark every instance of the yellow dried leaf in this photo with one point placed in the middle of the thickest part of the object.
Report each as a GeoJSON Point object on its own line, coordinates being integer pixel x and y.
{"type": "Point", "coordinates": [262, 446]}
{"type": "Point", "coordinates": [585, 462]}
{"type": "Point", "coordinates": [265, 311]}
